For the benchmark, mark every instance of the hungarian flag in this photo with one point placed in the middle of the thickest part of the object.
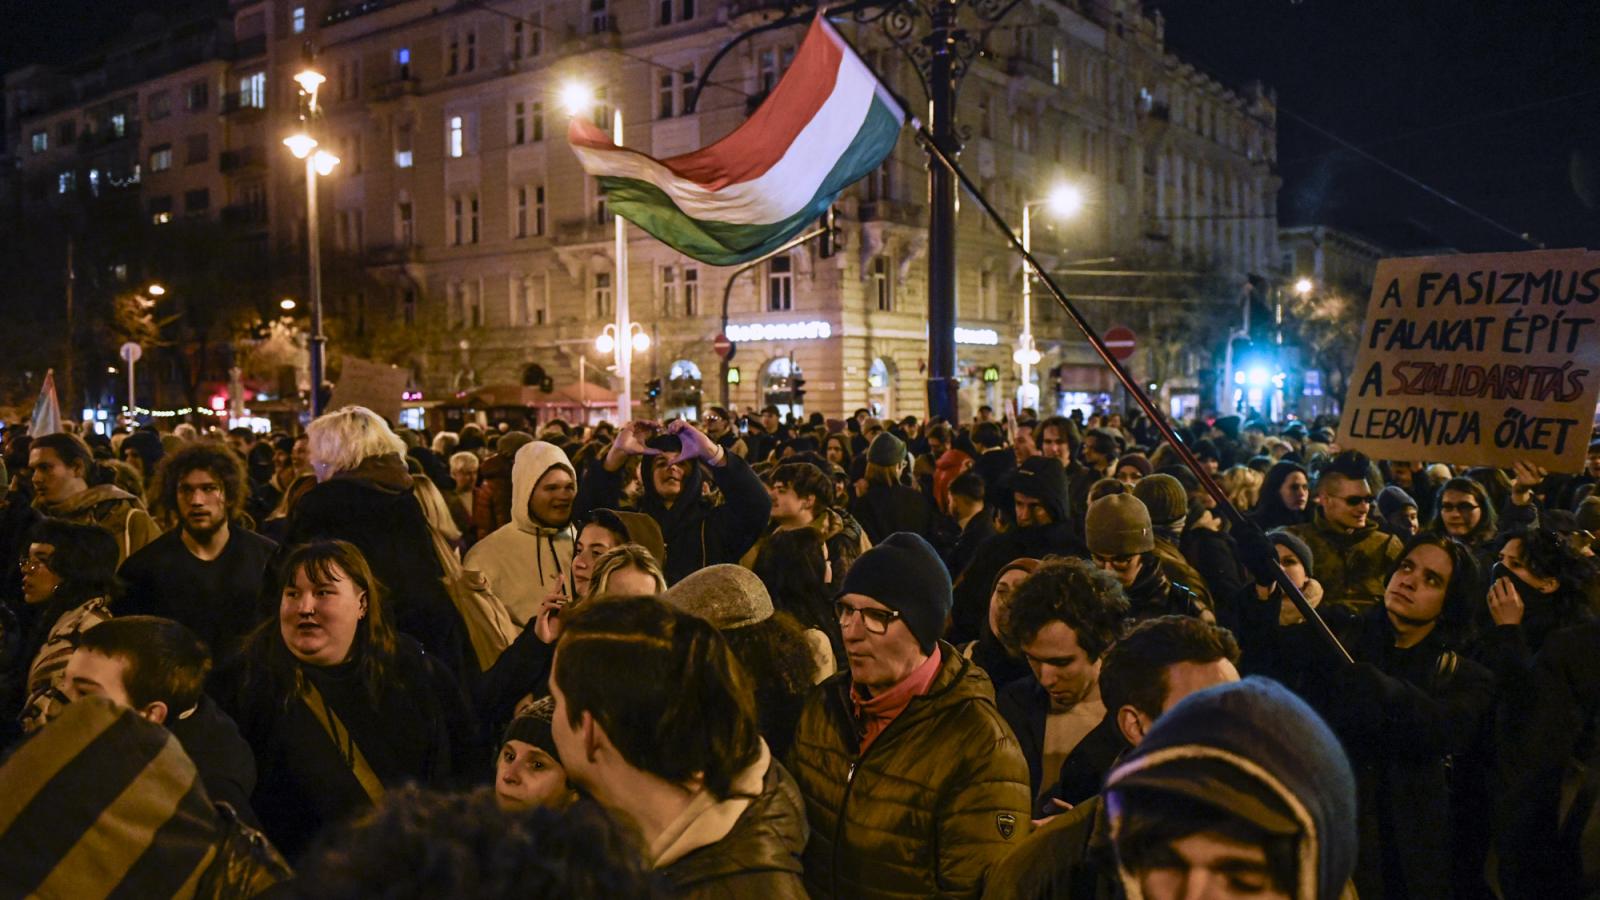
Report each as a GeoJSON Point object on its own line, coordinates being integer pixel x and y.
{"type": "Point", "coordinates": [826, 125]}
{"type": "Point", "coordinates": [46, 410]}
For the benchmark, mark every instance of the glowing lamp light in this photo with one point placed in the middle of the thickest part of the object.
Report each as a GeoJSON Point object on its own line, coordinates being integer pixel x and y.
{"type": "Point", "coordinates": [1302, 286]}
{"type": "Point", "coordinates": [219, 402]}
{"type": "Point", "coordinates": [605, 343]}
{"type": "Point", "coordinates": [155, 290]}
{"type": "Point", "coordinates": [300, 145]}
{"type": "Point", "coordinates": [286, 304]}
{"type": "Point", "coordinates": [577, 97]}
{"type": "Point", "coordinates": [325, 162]}
{"type": "Point", "coordinates": [1259, 376]}
{"type": "Point", "coordinates": [641, 342]}
{"type": "Point", "coordinates": [309, 80]}
{"type": "Point", "coordinates": [1065, 200]}
{"type": "Point", "coordinates": [1025, 356]}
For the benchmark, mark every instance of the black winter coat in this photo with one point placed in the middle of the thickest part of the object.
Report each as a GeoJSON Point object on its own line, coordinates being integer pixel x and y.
{"type": "Point", "coordinates": [759, 858]}
{"type": "Point", "coordinates": [885, 509]}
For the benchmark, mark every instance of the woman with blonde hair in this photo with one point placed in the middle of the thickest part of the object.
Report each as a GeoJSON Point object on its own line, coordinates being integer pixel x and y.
{"type": "Point", "coordinates": [1242, 484]}
{"type": "Point", "coordinates": [364, 495]}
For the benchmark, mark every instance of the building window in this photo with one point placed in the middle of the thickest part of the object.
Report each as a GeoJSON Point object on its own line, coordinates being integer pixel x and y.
{"type": "Point", "coordinates": [691, 291]}
{"type": "Point", "coordinates": [519, 33]}
{"type": "Point", "coordinates": [519, 227]}
{"type": "Point", "coordinates": [986, 295]}
{"type": "Point", "coordinates": [519, 123]}
{"type": "Point", "coordinates": [472, 303]}
{"type": "Point", "coordinates": [402, 145]}
{"type": "Point", "coordinates": [402, 63]}
{"type": "Point", "coordinates": [536, 121]}
{"type": "Point", "coordinates": [527, 300]}
{"type": "Point", "coordinates": [253, 91]}
{"type": "Point", "coordinates": [160, 210]}
{"type": "Point", "coordinates": [672, 92]}
{"type": "Point", "coordinates": [161, 158]}
{"type": "Point", "coordinates": [196, 201]}
{"type": "Point", "coordinates": [452, 60]}
{"type": "Point", "coordinates": [40, 141]}
{"type": "Point", "coordinates": [882, 284]}
{"type": "Point", "coordinates": [405, 223]}
{"type": "Point", "coordinates": [529, 219]}
{"type": "Point", "coordinates": [602, 214]}
{"type": "Point", "coordinates": [352, 153]}
{"type": "Point", "coordinates": [599, 17]}
{"type": "Point", "coordinates": [456, 131]}
{"type": "Point", "coordinates": [669, 290]}
{"type": "Point", "coordinates": [66, 132]}
{"type": "Point", "coordinates": [119, 124]}
{"type": "Point", "coordinates": [408, 308]}
{"type": "Point", "coordinates": [66, 181]}
{"type": "Point", "coordinates": [472, 52]}
{"type": "Point", "coordinates": [536, 32]}
{"type": "Point", "coordinates": [602, 295]}
{"type": "Point", "coordinates": [197, 149]}
{"type": "Point", "coordinates": [780, 284]}
{"type": "Point", "coordinates": [198, 96]}
{"type": "Point", "coordinates": [1055, 64]}
{"type": "Point", "coordinates": [458, 220]}
{"type": "Point", "coordinates": [297, 20]}
{"type": "Point", "coordinates": [160, 105]}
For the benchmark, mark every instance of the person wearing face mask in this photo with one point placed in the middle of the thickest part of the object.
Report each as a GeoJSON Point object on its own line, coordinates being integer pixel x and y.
{"type": "Point", "coordinates": [1403, 710]}
{"type": "Point", "coordinates": [1538, 586]}
{"type": "Point", "coordinates": [338, 706]}
{"type": "Point", "coordinates": [528, 558]}
{"type": "Point", "coordinates": [698, 532]}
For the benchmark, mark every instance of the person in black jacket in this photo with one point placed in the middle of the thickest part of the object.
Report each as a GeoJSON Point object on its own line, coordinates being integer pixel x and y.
{"type": "Point", "coordinates": [363, 495]}
{"type": "Point", "coordinates": [1063, 618]}
{"type": "Point", "coordinates": [158, 668]}
{"type": "Point", "coordinates": [698, 531]}
{"type": "Point", "coordinates": [972, 516]}
{"type": "Point", "coordinates": [887, 506]}
{"type": "Point", "coordinates": [338, 706]}
{"type": "Point", "coordinates": [1285, 497]}
{"type": "Point", "coordinates": [1402, 711]}
{"type": "Point", "coordinates": [1039, 501]}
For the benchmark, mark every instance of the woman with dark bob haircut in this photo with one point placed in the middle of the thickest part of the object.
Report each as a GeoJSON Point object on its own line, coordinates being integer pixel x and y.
{"type": "Point", "coordinates": [338, 706]}
{"type": "Point", "coordinates": [69, 579]}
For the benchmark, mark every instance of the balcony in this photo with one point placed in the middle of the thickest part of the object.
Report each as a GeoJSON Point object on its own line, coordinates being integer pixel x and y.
{"type": "Point", "coordinates": [242, 214]}
{"type": "Point", "coordinates": [347, 11]}
{"type": "Point", "coordinates": [393, 89]}
{"type": "Point", "coordinates": [243, 159]}
{"type": "Point", "coordinates": [250, 48]}
{"type": "Point", "coordinates": [583, 231]}
{"type": "Point", "coordinates": [393, 255]}
{"type": "Point", "coordinates": [242, 104]}
{"type": "Point", "coordinates": [896, 211]}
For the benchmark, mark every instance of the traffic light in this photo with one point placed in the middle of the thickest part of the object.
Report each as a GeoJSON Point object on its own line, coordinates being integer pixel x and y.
{"type": "Point", "coordinates": [652, 390]}
{"type": "Point", "coordinates": [797, 389]}
{"type": "Point", "coordinates": [832, 239]}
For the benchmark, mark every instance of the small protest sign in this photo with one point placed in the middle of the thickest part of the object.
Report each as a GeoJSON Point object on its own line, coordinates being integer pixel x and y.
{"type": "Point", "coordinates": [1480, 359]}
{"type": "Point", "coordinates": [376, 386]}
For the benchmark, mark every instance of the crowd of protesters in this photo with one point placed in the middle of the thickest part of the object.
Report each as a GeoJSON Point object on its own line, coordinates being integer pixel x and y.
{"type": "Point", "coordinates": [756, 657]}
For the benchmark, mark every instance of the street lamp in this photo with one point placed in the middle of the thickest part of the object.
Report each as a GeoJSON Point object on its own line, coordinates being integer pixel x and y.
{"type": "Point", "coordinates": [1303, 286]}
{"type": "Point", "coordinates": [318, 163]}
{"type": "Point", "coordinates": [286, 304]}
{"type": "Point", "coordinates": [1064, 201]}
{"type": "Point", "coordinates": [579, 98]}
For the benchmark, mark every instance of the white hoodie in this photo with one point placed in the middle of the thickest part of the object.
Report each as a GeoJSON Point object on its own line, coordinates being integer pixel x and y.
{"type": "Point", "coordinates": [524, 560]}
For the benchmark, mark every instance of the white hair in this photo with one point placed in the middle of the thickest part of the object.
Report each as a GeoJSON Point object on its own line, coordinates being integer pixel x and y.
{"type": "Point", "coordinates": [445, 442]}
{"type": "Point", "coordinates": [463, 460]}
{"type": "Point", "coordinates": [342, 439]}
{"type": "Point", "coordinates": [186, 431]}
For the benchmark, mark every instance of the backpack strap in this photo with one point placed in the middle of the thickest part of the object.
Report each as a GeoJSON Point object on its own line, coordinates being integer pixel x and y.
{"type": "Point", "coordinates": [343, 742]}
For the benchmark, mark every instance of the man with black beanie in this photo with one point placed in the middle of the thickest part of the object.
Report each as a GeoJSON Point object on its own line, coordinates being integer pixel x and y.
{"type": "Point", "coordinates": [914, 785]}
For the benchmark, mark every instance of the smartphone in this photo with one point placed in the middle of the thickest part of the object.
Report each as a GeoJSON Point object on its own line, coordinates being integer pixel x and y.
{"type": "Point", "coordinates": [666, 443]}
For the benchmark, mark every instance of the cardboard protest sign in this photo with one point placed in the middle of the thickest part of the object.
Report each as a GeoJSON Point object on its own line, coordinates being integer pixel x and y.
{"type": "Point", "coordinates": [376, 386]}
{"type": "Point", "coordinates": [1481, 359]}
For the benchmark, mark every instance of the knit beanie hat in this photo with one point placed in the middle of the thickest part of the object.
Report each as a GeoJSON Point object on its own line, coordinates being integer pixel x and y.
{"type": "Point", "coordinates": [1138, 461]}
{"type": "Point", "coordinates": [1119, 525]}
{"type": "Point", "coordinates": [886, 450]}
{"type": "Point", "coordinates": [904, 573]}
{"type": "Point", "coordinates": [638, 528]}
{"type": "Point", "coordinates": [726, 595]}
{"type": "Point", "coordinates": [533, 727]}
{"type": "Point", "coordinates": [1392, 499]}
{"type": "Point", "coordinates": [1298, 547]}
{"type": "Point", "coordinates": [1164, 498]}
{"type": "Point", "coordinates": [1589, 514]}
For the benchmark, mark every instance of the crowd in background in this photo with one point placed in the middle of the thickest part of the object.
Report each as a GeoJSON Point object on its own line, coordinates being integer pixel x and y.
{"type": "Point", "coordinates": [749, 656]}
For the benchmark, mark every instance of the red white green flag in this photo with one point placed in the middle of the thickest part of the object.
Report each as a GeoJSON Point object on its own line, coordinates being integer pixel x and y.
{"type": "Point", "coordinates": [826, 125]}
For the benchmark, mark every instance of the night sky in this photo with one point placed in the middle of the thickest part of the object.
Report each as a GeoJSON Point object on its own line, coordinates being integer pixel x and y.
{"type": "Point", "coordinates": [1494, 105]}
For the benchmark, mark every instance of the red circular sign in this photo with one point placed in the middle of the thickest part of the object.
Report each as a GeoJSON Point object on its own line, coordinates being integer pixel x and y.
{"type": "Point", "coordinates": [723, 346]}
{"type": "Point", "coordinates": [1120, 342]}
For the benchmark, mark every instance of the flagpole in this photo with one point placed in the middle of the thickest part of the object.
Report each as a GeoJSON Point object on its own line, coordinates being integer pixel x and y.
{"type": "Point", "coordinates": [1136, 393]}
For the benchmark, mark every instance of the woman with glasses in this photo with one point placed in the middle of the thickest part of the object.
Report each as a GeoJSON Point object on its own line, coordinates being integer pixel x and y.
{"type": "Point", "coordinates": [69, 577]}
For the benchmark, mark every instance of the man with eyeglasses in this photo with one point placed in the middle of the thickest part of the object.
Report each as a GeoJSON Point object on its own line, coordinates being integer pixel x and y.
{"type": "Point", "coordinates": [717, 423]}
{"type": "Point", "coordinates": [914, 785]}
{"type": "Point", "coordinates": [1352, 555]}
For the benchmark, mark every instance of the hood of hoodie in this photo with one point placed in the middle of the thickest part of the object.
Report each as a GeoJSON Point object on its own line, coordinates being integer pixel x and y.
{"type": "Point", "coordinates": [1043, 479]}
{"type": "Point", "coordinates": [675, 518]}
{"type": "Point", "coordinates": [386, 472]}
{"type": "Point", "coordinates": [640, 529]}
{"type": "Point", "coordinates": [1274, 751]}
{"type": "Point", "coordinates": [86, 500]}
{"type": "Point", "coordinates": [533, 460]}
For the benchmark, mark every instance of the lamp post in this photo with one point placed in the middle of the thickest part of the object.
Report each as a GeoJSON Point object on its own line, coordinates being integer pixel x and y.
{"type": "Point", "coordinates": [318, 162]}
{"type": "Point", "coordinates": [1064, 201]}
{"type": "Point", "coordinates": [578, 99]}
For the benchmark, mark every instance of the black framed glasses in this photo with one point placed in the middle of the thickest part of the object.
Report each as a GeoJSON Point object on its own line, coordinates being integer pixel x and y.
{"type": "Point", "coordinates": [1120, 563]}
{"type": "Point", "coordinates": [876, 621]}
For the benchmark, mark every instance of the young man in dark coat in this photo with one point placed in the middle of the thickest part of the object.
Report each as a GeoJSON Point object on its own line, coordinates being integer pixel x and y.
{"type": "Point", "coordinates": [698, 531]}
{"type": "Point", "coordinates": [889, 506]}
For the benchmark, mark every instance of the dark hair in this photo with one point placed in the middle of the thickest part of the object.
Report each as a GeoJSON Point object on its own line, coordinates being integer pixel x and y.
{"type": "Point", "coordinates": [1466, 588]}
{"type": "Point", "coordinates": [164, 661]}
{"type": "Point", "coordinates": [1482, 532]}
{"type": "Point", "coordinates": [1071, 591]}
{"type": "Point", "coordinates": [792, 566]}
{"type": "Point", "coordinates": [420, 843]}
{"type": "Point", "coordinates": [782, 669]}
{"type": "Point", "coordinates": [220, 462]}
{"type": "Point", "coordinates": [84, 558]}
{"type": "Point", "coordinates": [241, 431]}
{"type": "Point", "coordinates": [1152, 820]}
{"type": "Point", "coordinates": [1101, 442]}
{"type": "Point", "coordinates": [968, 484]}
{"type": "Point", "coordinates": [1135, 669]}
{"type": "Point", "coordinates": [1350, 464]}
{"type": "Point", "coordinates": [268, 660]}
{"type": "Point", "coordinates": [939, 431]}
{"type": "Point", "coordinates": [807, 481]}
{"type": "Point", "coordinates": [687, 707]}
{"type": "Point", "coordinates": [843, 440]}
{"type": "Point", "coordinates": [70, 449]}
{"type": "Point", "coordinates": [988, 435]}
{"type": "Point", "coordinates": [1548, 554]}
{"type": "Point", "coordinates": [1064, 429]}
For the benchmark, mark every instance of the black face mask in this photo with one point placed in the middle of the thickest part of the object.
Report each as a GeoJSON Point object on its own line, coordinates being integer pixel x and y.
{"type": "Point", "coordinates": [1524, 590]}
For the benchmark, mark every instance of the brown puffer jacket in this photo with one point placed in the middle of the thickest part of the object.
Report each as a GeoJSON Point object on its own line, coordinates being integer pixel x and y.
{"type": "Point", "coordinates": [939, 797]}
{"type": "Point", "coordinates": [1351, 567]}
